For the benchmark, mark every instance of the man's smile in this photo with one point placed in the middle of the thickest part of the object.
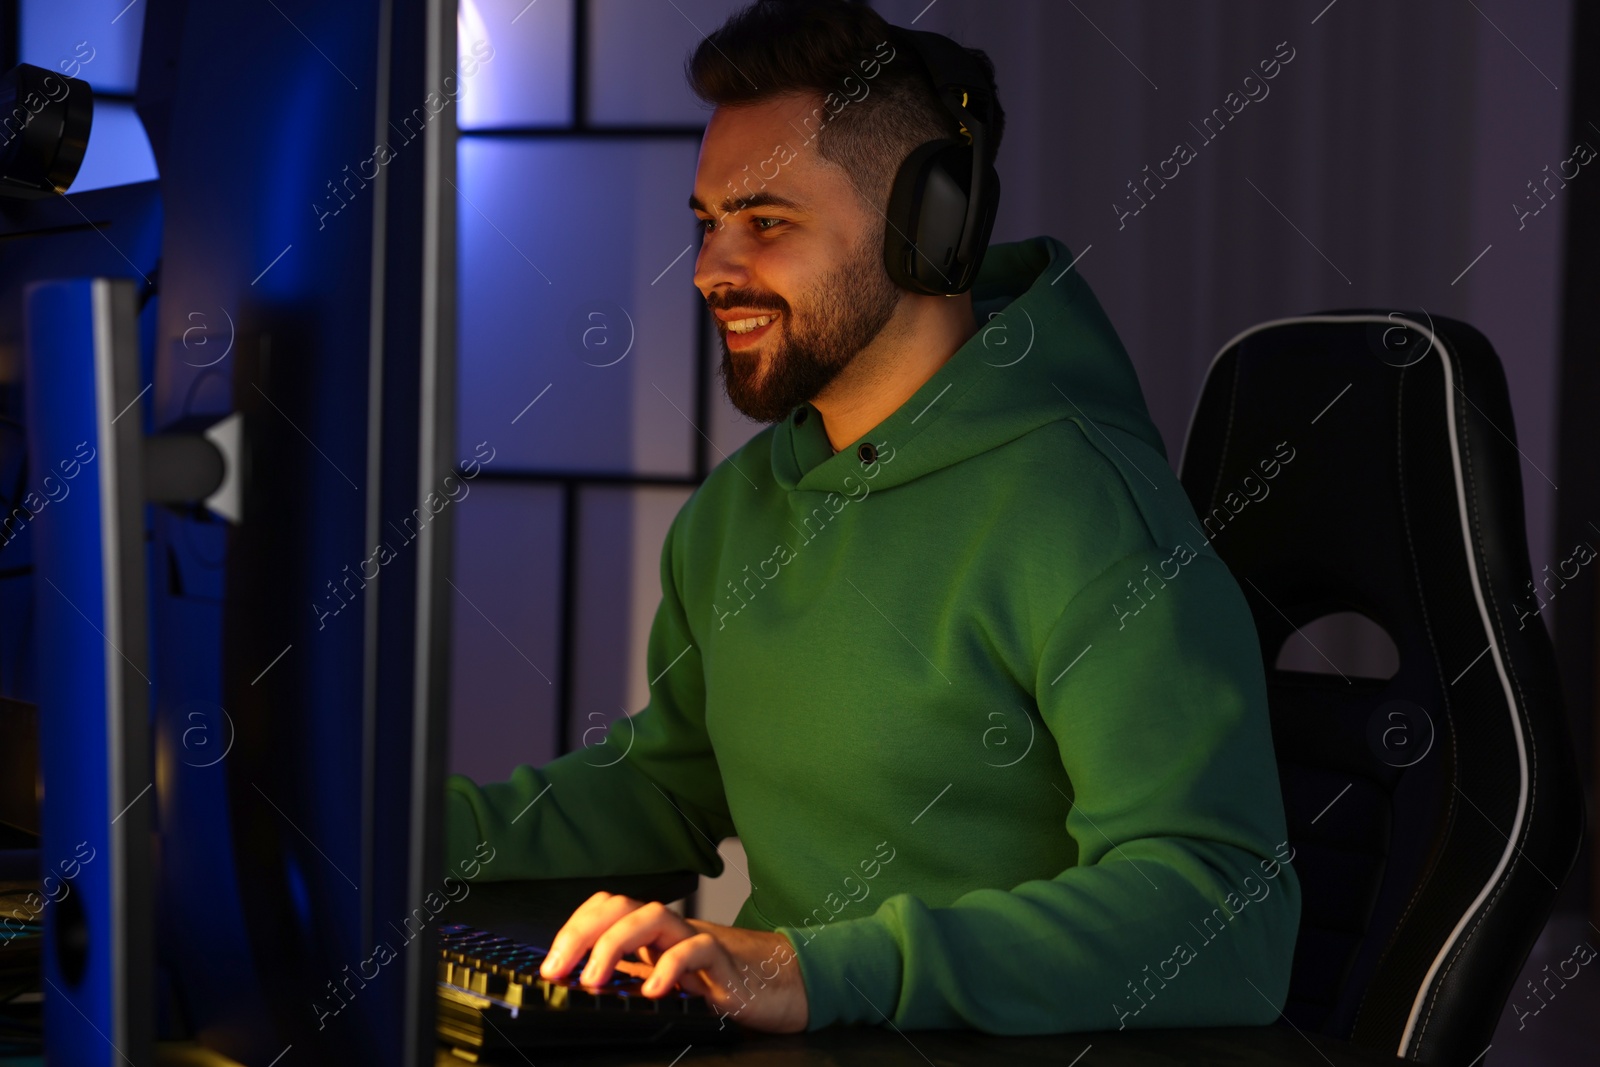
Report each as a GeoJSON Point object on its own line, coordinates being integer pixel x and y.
{"type": "Point", "coordinates": [748, 332]}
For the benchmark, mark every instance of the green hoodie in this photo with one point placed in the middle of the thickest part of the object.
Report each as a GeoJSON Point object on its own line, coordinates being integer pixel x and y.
{"type": "Point", "coordinates": [986, 710]}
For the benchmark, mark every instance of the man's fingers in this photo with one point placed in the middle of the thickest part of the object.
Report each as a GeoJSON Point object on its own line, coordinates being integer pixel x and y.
{"type": "Point", "coordinates": [699, 963]}
{"type": "Point", "coordinates": [697, 982]}
{"type": "Point", "coordinates": [578, 934]}
{"type": "Point", "coordinates": [652, 925]}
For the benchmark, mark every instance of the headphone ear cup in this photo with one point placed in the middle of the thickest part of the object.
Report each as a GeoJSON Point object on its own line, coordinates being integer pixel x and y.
{"type": "Point", "coordinates": [927, 208]}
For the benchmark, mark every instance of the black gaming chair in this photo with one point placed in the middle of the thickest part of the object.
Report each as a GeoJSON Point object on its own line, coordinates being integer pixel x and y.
{"type": "Point", "coordinates": [1365, 461]}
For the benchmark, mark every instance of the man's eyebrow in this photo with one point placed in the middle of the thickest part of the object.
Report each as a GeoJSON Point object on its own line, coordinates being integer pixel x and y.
{"type": "Point", "coordinates": [732, 204]}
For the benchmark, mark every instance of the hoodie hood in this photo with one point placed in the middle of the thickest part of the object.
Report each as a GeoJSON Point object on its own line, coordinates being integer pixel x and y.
{"type": "Point", "coordinates": [1044, 351]}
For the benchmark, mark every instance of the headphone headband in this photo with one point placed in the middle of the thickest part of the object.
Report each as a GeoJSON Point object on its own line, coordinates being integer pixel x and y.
{"type": "Point", "coordinates": [960, 83]}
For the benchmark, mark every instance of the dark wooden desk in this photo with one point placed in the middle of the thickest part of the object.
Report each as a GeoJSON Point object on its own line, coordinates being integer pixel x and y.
{"type": "Point", "coordinates": [534, 911]}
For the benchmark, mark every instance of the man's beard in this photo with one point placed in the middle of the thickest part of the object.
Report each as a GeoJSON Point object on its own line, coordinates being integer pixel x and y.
{"type": "Point", "coordinates": [839, 317]}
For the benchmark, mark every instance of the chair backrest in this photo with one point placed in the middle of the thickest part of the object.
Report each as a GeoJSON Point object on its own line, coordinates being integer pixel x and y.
{"type": "Point", "coordinates": [1365, 461]}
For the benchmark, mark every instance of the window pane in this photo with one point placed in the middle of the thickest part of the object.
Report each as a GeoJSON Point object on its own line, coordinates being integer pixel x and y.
{"type": "Point", "coordinates": [719, 899]}
{"type": "Point", "coordinates": [118, 152]}
{"type": "Point", "coordinates": [96, 40]}
{"type": "Point", "coordinates": [636, 56]}
{"type": "Point", "coordinates": [620, 533]}
{"type": "Point", "coordinates": [527, 78]}
{"type": "Point", "coordinates": [560, 242]}
{"type": "Point", "coordinates": [505, 628]}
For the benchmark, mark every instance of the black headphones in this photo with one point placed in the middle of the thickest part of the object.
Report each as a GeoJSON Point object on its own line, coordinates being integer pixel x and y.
{"type": "Point", "coordinates": [943, 201]}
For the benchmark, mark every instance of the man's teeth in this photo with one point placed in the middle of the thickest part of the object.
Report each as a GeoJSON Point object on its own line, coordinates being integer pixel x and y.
{"type": "Point", "coordinates": [746, 325]}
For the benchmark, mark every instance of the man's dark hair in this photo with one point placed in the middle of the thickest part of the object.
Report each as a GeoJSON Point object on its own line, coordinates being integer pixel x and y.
{"type": "Point", "coordinates": [776, 47]}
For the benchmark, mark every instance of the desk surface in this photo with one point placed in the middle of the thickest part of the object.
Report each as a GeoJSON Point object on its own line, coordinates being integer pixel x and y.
{"type": "Point", "coordinates": [534, 911]}
{"type": "Point", "coordinates": [861, 1046]}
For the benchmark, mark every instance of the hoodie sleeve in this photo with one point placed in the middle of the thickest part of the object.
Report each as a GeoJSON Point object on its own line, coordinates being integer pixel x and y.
{"type": "Point", "coordinates": [645, 797]}
{"type": "Point", "coordinates": [1182, 909]}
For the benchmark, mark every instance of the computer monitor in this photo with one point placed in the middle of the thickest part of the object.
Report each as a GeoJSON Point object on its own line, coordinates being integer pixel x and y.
{"type": "Point", "coordinates": [93, 689]}
{"type": "Point", "coordinates": [296, 695]}
{"type": "Point", "coordinates": [72, 585]}
{"type": "Point", "coordinates": [108, 233]}
{"type": "Point", "coordinates": [300, 688]}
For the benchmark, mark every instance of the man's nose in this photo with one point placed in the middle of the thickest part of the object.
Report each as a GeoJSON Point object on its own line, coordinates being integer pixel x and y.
{"type": "Point", "coordinates": [721, 263]}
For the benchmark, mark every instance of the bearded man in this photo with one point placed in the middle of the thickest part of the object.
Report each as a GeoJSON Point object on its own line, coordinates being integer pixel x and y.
{"type": "Point", "coordinates": [942, 646]}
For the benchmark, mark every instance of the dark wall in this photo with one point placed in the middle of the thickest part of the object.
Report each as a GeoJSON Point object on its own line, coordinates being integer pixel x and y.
{"type": "Point", "coordinates": [1380, 168]}
{"type": "Point", "coordinates": [1384, 166]}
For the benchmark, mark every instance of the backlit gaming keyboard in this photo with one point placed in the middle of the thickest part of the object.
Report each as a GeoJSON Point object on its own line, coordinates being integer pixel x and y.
{"type": "Point", "coordinates": [491, 997]}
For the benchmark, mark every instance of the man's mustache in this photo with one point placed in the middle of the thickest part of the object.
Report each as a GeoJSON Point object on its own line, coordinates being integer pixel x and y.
{"type": "Point", "coordinates": [735, 301]}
